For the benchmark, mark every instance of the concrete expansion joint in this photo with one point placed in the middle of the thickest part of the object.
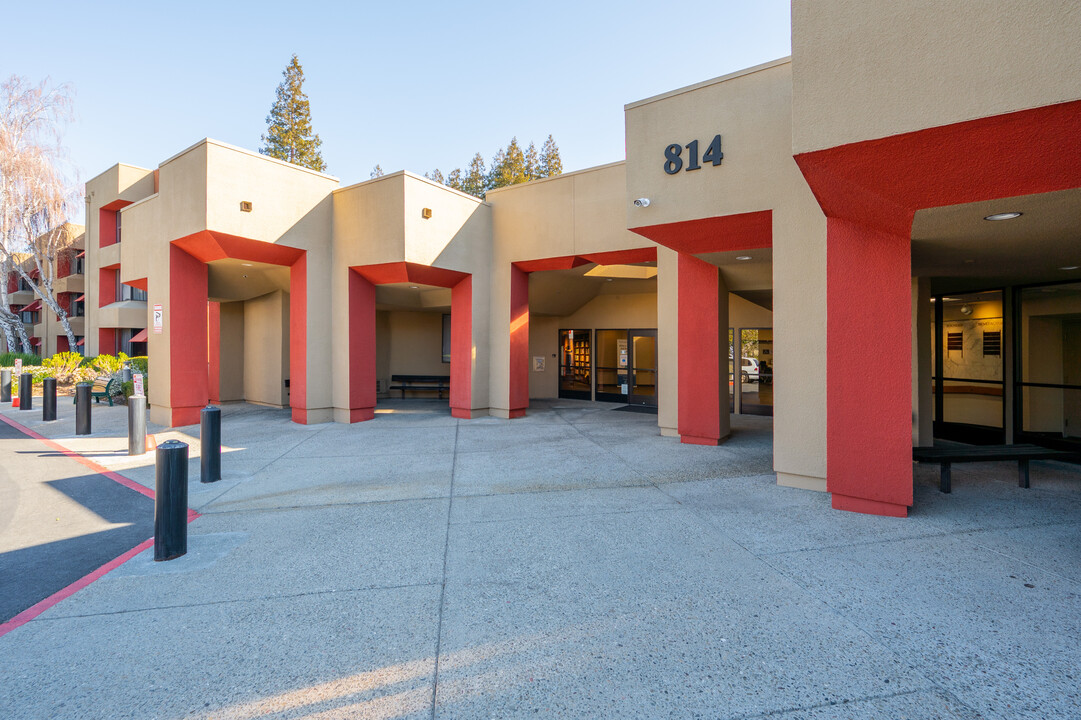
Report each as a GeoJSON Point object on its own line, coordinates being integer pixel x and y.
{"type": "Point", "coordinates": [443, 582]}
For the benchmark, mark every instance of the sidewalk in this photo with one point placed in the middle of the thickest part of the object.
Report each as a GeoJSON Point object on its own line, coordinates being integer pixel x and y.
{"type": "Point", "coordinates": [572, 563]}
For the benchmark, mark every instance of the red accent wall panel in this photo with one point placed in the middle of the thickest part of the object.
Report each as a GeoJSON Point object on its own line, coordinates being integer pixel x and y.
{"type": "Point", "coordinates": [107, 341]}
{"type": "Point", "coordinates": [361, 348]}
{"type": "Point", "coordinates": [186, 323]}
{"type": "Point", "coordinates": [298, 339]}
{"type": "Point", "coordinates": [869, 343]}
{"type": "Point", "coordinates": [106, 286]}
{"type": "Point", "coordinates": [742, 231]}
{"type": "Point", "coordinates": [519, 341]}
{"type": "Point", "coordinates": [62, 343]}
{"type": "Point", "coordinates": [461, 349]}
{"type": "Point", "coordinates": [63, 264]}
{"type": "Point", "coordinates": [703, 337]}
{"type": "Point", "coordinates": [106, 227]}
{"type": "Point", "coordinates": [13, 282]}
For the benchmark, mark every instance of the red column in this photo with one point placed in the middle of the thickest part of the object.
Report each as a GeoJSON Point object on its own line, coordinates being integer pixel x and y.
{"type": "Point", "coordinates": [519, 342]}
{"type": "Point", "coordinates": [361, 348]}
{"type": "Point", "coordinates": [298, 339]}
{"type": "Point", "coordinates": [703, 344]}
{"type": "Point", "coordinates": [186, 319]}
{"type": "Point", "coordinates": [213, 314]}
{"type": "Point", "coordinates": [868, 373]}
{"type": "Point", "coordinates": [106, 341]}
{"type": "Point", "coordinates": [461, 349]}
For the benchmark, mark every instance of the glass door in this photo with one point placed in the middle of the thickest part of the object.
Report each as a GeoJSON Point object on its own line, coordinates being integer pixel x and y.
{"type": "Point", "coordinates": [575, 364]}
{"type": "Point", "coordinates": [643, 368]}
{"type": "Point", "coordinates": [613, 361]}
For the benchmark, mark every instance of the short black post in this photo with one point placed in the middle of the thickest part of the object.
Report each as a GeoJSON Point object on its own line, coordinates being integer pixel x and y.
{"type": "Point", "coordinates": [26, 391]}
{"type": "Point", "coordinates": [137, 425]}
{"type": "Point", "coordinates": [82, 408]}
{"type": "Point", "coordinates": [171, 500]}
{"type": "Point", "coordinates": [48, 400]}
{"type": "Point", "coordinates": [5, 385]}
{"type": "Point", "coordinates": [210, 444]}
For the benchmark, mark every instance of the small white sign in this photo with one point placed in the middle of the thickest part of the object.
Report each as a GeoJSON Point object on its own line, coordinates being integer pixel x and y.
{"type": "Point", "coordinates": [538, 363]}
{"type": "Point", "coordinates": [18, 367]}
{"type": "Point", "coordinates": [159, 319]}
{"type": "Point", "coordinates": [137, 380]}
{"type": "Point", "coordinates": [623, 388]}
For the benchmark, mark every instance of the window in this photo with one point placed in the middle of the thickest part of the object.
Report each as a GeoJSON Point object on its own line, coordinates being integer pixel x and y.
{"type": "Point", "coordinates": [118, 216]}
{"type": "Point", "coordinates": [446, 338]}
{"type": "Point", "coordinates": [955, 341]}
{"type": "Point", "coordinates": [78, 266]}
{"type": "Point", "coordinates": [127, 292]}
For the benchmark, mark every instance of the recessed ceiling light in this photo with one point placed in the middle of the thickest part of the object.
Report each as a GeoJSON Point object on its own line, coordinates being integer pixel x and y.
{"type": "Point", "coordinates": [413, 287]}
{"type": "Point", "coordinates": [246, 264]}
{"type": "Point", "coordinates": [1069, 267]}
{"type": "Point", "coordinates": [1003, 216]}
{"type": "Point", "coordinates": [744, 257]}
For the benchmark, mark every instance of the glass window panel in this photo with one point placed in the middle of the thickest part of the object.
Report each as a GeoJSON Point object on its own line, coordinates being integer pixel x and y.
{"type": "Point", "coordinates": [645, 365]}
{"type": "Point", "coordinates": [612, 354]}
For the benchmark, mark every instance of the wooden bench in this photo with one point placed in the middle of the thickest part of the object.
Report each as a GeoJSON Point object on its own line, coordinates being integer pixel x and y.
{"type": "Point", "coordinates": [946, 456]}
{"type": "Point", "coordinates": [439, 383]}
{"type": "Point", "coordinates": [104, 389]}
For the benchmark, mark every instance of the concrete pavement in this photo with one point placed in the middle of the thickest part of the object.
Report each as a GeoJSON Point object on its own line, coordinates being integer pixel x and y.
{"type": "Point", "coordinates": [572, 563]}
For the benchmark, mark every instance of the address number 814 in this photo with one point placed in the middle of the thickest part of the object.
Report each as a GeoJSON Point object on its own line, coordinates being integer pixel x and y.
{"type": "Point", "coordinates": [673, 160]}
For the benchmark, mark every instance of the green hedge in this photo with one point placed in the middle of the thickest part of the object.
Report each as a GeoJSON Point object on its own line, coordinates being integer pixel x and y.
{"type": "Point", "coordinates": [8, 359]}
{"type": "Point", "coordinates": [140, 363]}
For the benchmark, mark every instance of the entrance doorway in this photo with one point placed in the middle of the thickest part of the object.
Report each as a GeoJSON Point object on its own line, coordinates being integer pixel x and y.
{"type": "Point", "coordinates": [626, 364]}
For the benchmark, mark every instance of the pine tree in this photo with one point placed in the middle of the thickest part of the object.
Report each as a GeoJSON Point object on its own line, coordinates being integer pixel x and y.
{"type": "Point", "coordinates": [508, 166]}
{"type": "Point", "coordinates": [454, 180]}
{"type": "Point", "coordinates": [531, 164]}
{"type": "Point", "coordinates": [289, 135]}
{"type": "Point", "coordinates": [550, 163]}
{"type": "Point", "coordinates": [476, 179]}
{"type": "Point", "coordinates": [435, 176]}
{"type": "Point", "coordinates": [377, 172]}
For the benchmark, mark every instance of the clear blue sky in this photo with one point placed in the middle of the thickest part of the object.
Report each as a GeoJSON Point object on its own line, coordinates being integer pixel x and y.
{"type": "Point", "coordinates": [407, 85]}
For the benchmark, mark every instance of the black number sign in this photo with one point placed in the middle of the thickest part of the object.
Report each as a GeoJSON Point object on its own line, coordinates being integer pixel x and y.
{"type": "Point", "coordinates": [673, 163]}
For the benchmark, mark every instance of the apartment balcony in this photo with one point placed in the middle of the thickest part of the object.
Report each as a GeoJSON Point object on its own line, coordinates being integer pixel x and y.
{"type": "Point", "coordinates": [71, 283]}
{"type": "Point", "coordinates": [21, 297]}
{"type": "Point", "coordinates": [123, 314]}
{"type": "Point", "coordinates": [109, 255]}
{"type": "Point", "coordinates": [78, 326]}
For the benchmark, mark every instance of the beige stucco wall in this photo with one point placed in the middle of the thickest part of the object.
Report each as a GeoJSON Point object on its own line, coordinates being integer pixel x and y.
{"type": "Point", "coordinates": [266, 349]}
{"type": "Point", "coordinates": [870, 69]}
{"type": "Point", "coordinates": [415, 344]}
{"type": "Point", "coordinates": [752, 111]}
{"type": "Point", "coordinates": [231, 352]}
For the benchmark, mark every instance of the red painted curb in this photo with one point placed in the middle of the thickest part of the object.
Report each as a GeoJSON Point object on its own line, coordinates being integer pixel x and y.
{"type": "Point", "coordinates": [32, 612]}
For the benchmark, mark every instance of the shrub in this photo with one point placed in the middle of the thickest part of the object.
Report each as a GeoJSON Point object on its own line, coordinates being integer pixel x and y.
{"type": "Point", "coordinates": [8, 359]}
{"type": "Point", "coordinates": [109, 364]}
{"type": "Point", "coordinates": [64, 366]}
{"type": "Point", "coordinates": [140, 363]}
{"type": "Point", "coordinates": [40, 373]}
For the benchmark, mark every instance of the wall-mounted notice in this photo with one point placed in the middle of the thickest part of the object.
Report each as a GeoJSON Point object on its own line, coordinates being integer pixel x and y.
{"type": "Point", "coordinates": [137, 380]}
{"type": "Point", "coordinates": [538, 363]}
{"type": "Point", "coordinates": [159, 319]}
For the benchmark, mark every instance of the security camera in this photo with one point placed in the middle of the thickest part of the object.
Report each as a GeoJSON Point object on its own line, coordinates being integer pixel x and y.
{"type": "Point", "coordinates": [641, 202]}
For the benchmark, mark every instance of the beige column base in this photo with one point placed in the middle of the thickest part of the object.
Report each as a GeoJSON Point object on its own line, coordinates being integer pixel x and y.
{"type": "Point", "coordinates": [803, 482]}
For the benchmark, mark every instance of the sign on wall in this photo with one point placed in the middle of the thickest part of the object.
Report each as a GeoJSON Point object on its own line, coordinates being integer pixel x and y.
{"type": "Point", "coordinates": [137, 380]}
{"type": "Point", "coordinates": [538, 363]}
{"type": "Point", "coordinates": [674, 157]}
{"type": "Point", "coordinates": [159, 319]}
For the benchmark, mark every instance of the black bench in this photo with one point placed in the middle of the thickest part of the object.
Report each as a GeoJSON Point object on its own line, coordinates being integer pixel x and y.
{"type": "Point", "coordinates": [945, 456]}
{"type": "Point", "coordinates": [439, 383]}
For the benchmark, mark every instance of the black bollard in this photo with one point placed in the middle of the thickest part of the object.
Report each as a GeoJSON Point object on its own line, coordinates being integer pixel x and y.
{"type": "Point", "coordinates": [26, 391]}
{"type": "Point", "coordinates": [137, 425]}
{"type": "Point", "coordinates": [210, 444]}
{"type": "Point", "coordinates": [5, 385]}
{"type": "Point", "coordinates": [48, 400]}
{"type": "Point", "coordinates": [82, 408]}
{"type": "Point", "coordinates": [171, 500]}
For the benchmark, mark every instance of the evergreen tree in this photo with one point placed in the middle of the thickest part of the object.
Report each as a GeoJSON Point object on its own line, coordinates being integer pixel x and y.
{"type": "Point", "coordinates": [454, 180]}
{"type": "Point", "coordinates": [531, 165]}
{"type": "Point", "coordinates": [550, 163]}
{"type": "Point", "coordinates": [377, 172]}
{"type": "Point", "coordinates": [508, 166]}
{"type": "Point", "coordinates": [436, 176]}
{"type": "Point", "coordinates": [289, 135]}
{"type": "Point", "coordinates": [476, 179]}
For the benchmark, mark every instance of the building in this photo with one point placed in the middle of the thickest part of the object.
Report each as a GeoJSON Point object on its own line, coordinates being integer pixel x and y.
{"type": "Point", "coordinates": [43, 326]}
{"type": "Point", "coordinates": [820, 215]}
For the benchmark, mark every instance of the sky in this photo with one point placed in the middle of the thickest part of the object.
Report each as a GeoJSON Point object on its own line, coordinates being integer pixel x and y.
{"type": "Point", "coordinates": [406, 85]}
